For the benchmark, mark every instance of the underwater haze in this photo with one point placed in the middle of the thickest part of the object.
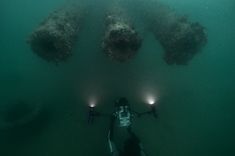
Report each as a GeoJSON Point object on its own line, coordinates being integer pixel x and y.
{"type": "Point", "coordinates": [195, 102]}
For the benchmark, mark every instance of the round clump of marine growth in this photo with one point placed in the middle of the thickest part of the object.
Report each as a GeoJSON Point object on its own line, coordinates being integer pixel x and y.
{"type": "Point", "coordinates": [55, 37]}
{"type": "Point", "coordinates": [121, 41]}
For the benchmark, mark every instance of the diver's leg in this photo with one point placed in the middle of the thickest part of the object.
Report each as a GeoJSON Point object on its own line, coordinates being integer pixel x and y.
{"type": "Point", "coordinates": [111, 127]}
{"type": "Point", "coordinates": [131, 133]}
{"type": "Point", "coordinates": [134, 137]}
{"type": "Point", "coordinates": [112, 147]}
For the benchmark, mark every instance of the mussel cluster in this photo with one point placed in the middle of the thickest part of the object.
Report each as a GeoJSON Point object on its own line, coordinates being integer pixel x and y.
{"type": "Point", "coordinates": [121, 41]}
{"type": "Point", "coordinates": [54, 38]}
{"type": "Point", "coordinates": [180, 38]}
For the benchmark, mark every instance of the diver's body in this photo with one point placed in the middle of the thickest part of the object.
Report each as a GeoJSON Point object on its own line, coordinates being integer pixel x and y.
{"type": "Point", "coordinates": [123, 117]}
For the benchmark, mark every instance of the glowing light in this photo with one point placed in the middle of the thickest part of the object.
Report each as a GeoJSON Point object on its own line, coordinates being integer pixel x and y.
{"type": "Point", "coordinates": [92, 105]}
{"type": "Point", "coordinates": [92, 101]}
{"type": "Point", "coordinates": [151, 100]}
{"type": "Point", "coordinates": [150, 95]}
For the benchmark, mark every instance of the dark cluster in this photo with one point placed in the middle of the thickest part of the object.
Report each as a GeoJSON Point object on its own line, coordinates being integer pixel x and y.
{"type": "Point", "coordinates": [180, 38]}
{"type": "Point", "coordinates": [121, 41]}
{"type": "Point", "coordinates": [54, 38]}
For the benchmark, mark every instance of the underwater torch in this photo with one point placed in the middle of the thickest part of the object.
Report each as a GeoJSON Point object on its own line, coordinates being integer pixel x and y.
{"type": "Point", "coordinates": [152, 102]}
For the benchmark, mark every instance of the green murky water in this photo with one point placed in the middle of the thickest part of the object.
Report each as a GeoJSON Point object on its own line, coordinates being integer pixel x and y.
{"type": "Point", "coordinates": [196, 103]}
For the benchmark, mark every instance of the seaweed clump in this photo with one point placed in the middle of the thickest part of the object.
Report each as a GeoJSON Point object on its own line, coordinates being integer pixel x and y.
{"type": "Point", "coordinates": [54, 39]}
{"type": "Point", "coordinates": [121, 41]}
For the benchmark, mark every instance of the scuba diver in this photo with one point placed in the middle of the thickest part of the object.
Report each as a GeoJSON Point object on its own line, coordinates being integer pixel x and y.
{"type": "Point", "coordinates": [122, 117]}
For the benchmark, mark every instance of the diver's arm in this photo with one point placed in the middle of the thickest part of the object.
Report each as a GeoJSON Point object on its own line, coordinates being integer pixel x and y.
{"type": "Point", "coordinates": [151, 111]}
{"type": "Point", "coordinates": [137, 114]}
{"type": "Point", "coordinates": [92, 114]}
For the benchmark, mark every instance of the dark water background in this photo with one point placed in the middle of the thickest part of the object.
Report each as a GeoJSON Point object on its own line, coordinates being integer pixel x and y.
{"type": "Point", "coordinates": [196, 103]}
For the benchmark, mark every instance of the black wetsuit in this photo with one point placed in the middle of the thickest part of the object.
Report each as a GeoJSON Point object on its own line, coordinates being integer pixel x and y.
{"type": "Point", "coordinates": [132, 146]}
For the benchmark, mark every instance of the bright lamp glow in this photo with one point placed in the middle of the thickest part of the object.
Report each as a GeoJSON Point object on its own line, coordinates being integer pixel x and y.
{"type": "Point", "coordinates": [92, 105]}
{"type": "Point", "coordinates": [149, 94]}
{"type": "Point", "coordinates": [150, 100]}
{"type": "Point", "coordinates": [92, 101]}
